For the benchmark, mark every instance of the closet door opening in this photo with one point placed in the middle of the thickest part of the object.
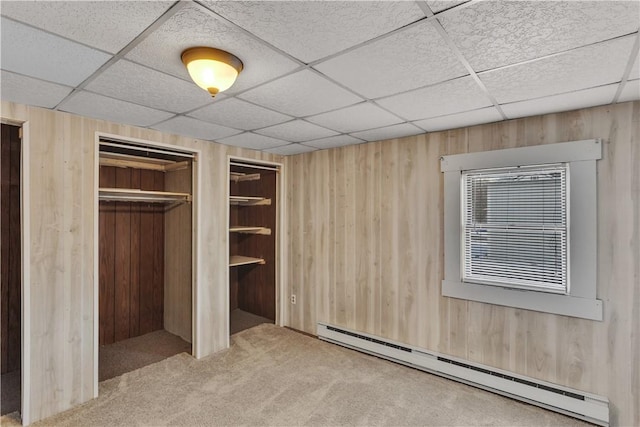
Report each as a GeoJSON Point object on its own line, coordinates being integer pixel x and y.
{"type": "Point", "coordinates": [253, 231]}
{"type": "Point", "coordinates": [11, 256]}
{"type": "Point", "coordinates": [145, 255]}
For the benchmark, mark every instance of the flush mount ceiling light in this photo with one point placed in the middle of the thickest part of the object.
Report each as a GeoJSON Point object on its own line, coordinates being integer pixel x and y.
{"type": "Point", "coordinates": [214, 70]}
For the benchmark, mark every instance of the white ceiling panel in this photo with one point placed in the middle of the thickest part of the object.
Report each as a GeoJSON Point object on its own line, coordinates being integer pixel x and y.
{"type": "Point", "coordinates": [310, 30]}
{"type": "Point", "coordinates": [106, 25]}
{"type": "Point", "coordinates": [30, 91]}
{"type": "Point", "coordinates": [491, 34]}
{"type": "Point", "coordinates": [631, 91]}
{"type": "Point", "coordinates": [301, 94]}
{"type": "Point", "coordinates": [406, 60]}
{"type": "Point", "coordinates": [194, 128]}
{"type": "Point", "coordinates": [355, 118]}
{"type": "Point", "coordinates": [334, 141]}
{"type": "Point", "coordinates": [253, 141]}
{"type": "Point", "coordinates": [590, 66]}
{"type": "Point", "coordinates": [562, 102]}
{"type": "Point", "coordinates": [32, 52]}
{"type": "Point", "coordinates": [440, 5]}
{"type": "Point", "coordinates": [455, 96]}
{"type": "Point", "coordinates": [239, 114]}
{"type": "Point", "coordinates": [194, 26]}
{"type": "Point", "coordinates": [297, 131]}
{"type": "Point", "coordinates": [390, 132]}
{"type": "Point", "coordinates": [101, 107]}
{"type": "Point", "coordinates": [290, 150]}
{"type": "Point", "coordinates": [458, 120]}
{"type": "Point", "coordinates": [141, 85]}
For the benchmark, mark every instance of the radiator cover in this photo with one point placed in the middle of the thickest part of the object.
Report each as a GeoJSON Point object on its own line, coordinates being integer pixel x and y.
{"type": "Point", "coordinates": [575, 403]}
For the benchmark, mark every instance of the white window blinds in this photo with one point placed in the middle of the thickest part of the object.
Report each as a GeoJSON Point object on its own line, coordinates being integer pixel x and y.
{"type": "Point", "coordinates": [515, 227]}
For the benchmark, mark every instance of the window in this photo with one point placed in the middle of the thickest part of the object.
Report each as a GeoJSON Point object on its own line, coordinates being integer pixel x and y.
{"type": "Point", "coordinates": [515, 227]}
{"type": "Point", "coordinates": [520, 228]}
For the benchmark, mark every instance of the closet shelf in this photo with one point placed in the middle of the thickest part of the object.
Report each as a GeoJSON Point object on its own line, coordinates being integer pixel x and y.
{"type": "Point", "coordinates": [248, 201]}
{"type": "Point", "coordinates": [250, 230]}
{"type": "Point", "coordinates": [239, 176]}
{"type": "Point", "coordinates": [134, 195]}
{"type": "Point", "coordinates": [237, 260]}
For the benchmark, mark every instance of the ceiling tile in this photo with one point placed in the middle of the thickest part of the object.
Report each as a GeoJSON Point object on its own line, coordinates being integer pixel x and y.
{"type": "Point", "coordinates": [30, 91]}
{"type": "Point", "coordinates": [239, 114]}
{"type": "Point", "coordinates": [440, 5]}
{"type": "Point", "coordinates": [195, 128]}
{"type": "Point", "coordinates": [101, 107]}
{"type": "Point", "coordinates": [563, 102]}
{"type": "Point", "coordinates": [390, 132]}
{"type": "Point", "coordinates": [336, 25]}
{"type": "Point", "coordinates": [106, 25]}
{"type": "Point", "coordinates": [334, 141]}
{"type": "Point", "coordinates": [26, 50]}
{"type": "Point", "coordinates": [355, 118]}
{"type": "Point", "coordinates": [631, 91]}
{"type": "Point", "coordinates": [301, 94]}
{"type": "Point", "coordinates": [253, 141]}
{"type": "Point", "coordinates": [297, 131]}
{"type": "Point", "coordinates": [406, 60]}
{"type": "Point", "coordinates": [459, 120]}
{"type": "Point", "coordinates": [491, 34]}
{"type": "Point", "coordinates": [291, 149]}
{"type": "Point", "coordinates": [455, 96]}
{"type": "Point", "coordinates": [194, 26]}
{"type": "Point", "coordinates": [574, 70]}
{"type": "Point", "coordinates": [141, 85]}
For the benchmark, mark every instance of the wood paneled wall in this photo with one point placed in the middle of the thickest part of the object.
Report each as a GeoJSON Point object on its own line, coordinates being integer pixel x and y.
{"type": "Point", "coordinates": [366, 252]}
{"type": "Point", "coordinates": [131, 252]}
{"type": "Point", "coordinates": [61, 170]}
{"type": "Point", "coordinates": [10, 249]}
{"type": "Point", "coordinates": [178, 257]}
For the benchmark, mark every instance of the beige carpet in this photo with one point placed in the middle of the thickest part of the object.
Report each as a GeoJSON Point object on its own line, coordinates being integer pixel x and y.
{"type": "Point", "coordinates": [275, 376]}
{"type": "Point", "coordinates": [240, 320]}
{"type": "Point", "coordinates": [134, 353]}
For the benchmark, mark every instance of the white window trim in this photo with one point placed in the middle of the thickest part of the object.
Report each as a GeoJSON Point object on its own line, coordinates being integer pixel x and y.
{"type": "Point", "coordinates": [581, 157]}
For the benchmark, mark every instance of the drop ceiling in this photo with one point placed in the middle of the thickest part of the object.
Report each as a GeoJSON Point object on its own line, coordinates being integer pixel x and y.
{"type": "Point", "coordinates": [320, 74]}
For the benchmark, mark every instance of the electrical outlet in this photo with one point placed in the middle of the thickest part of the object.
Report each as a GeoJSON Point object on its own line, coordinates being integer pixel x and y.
{"type": "Point", "coordinates": [293, 298]}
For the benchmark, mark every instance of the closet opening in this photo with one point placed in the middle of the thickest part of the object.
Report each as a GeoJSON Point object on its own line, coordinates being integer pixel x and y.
{"type": "Point", "coordinates": [253, 241]}
{"type": "Point", "coordinates": [145, 254]}
{"type": "Point", "coordinates": [11, 256]}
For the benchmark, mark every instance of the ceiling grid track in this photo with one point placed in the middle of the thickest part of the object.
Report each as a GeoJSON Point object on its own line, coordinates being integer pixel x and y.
{"type": "Point", "coordinates": [128, 48]}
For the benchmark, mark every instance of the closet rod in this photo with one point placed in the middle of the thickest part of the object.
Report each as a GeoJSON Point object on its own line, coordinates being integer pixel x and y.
{"type": "Point", "coordinates": [134, 195]}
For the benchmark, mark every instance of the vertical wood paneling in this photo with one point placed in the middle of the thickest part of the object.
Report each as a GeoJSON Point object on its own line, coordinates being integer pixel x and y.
{"type": "Point", "coordinates": [11, 285]}
{"type": "Point", "coordinates": [122, 256]}
{"type": "Point", "coordinates": [62, 210]}
{"type": "Point", "coordinates": [131, 251]}
{"type": "Point", "coordinates": [406, 219]}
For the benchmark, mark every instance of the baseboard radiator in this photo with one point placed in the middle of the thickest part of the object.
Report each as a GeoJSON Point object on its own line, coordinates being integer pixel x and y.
{"type": "Point", "coordinates": [575, 403]}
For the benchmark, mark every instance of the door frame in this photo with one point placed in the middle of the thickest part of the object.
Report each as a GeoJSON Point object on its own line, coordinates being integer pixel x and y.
{"type": "Point", "coordinates": [25, 266]}
{"type": "Point", "coordinates": [281, 306]}
{"type": "Point", "coordinates": [196, 244]}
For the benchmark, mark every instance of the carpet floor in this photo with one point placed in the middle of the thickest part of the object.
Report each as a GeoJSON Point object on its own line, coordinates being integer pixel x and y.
{"type": "Point", "coordinates": [240, 320]}
{"type": "Point", "coordinates": [128, 355]}
{"type": "Point", "coordinates": [10, 400]}
{"type": "Point", "coordinates": [274, 376]}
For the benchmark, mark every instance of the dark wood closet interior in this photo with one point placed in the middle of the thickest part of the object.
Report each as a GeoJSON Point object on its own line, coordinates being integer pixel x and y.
{"type": "Point", "coordinates": [11, 254]}
{"type": "Point", "coordinates": [252, 246]}
{"type": "Point", "coordinates": [145, 263]}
